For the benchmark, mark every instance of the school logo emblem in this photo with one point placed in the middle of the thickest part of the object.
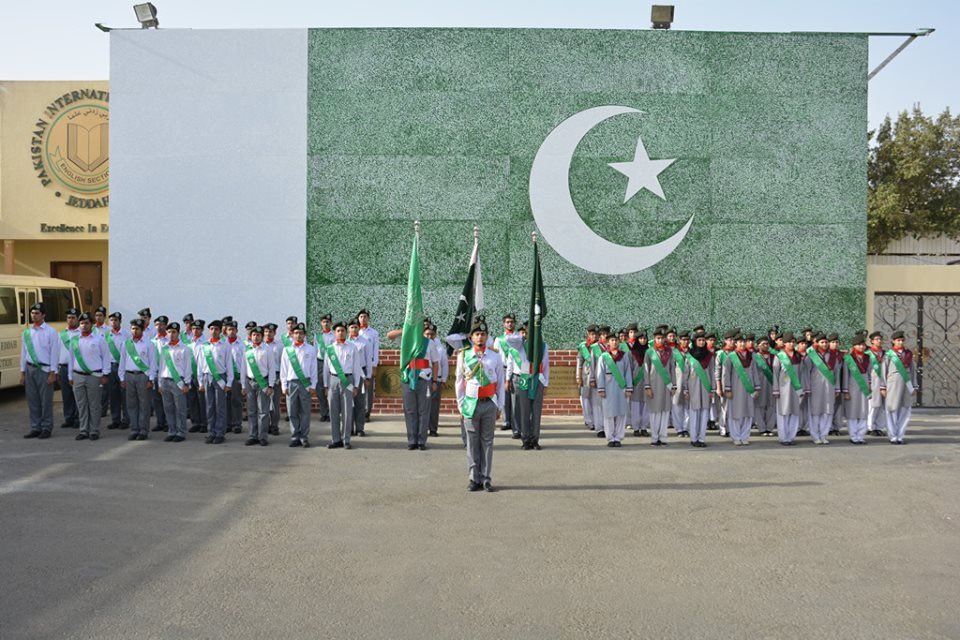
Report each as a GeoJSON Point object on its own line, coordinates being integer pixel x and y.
{"type": "Point", "coordinates": [70, 148]}
{"type": "Point", "coordinates": [559, 221]}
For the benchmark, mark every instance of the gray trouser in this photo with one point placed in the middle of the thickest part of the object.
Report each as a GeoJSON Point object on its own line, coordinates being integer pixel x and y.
{"type": "Point", "coordinates": [508, 410]}
{"type": "Point", "coordinates": [87, 390]}
{"type": "Point", "coordinates": [39, 399]}
{"type": "Point", "coordinates": [258, 410]}
{"type": "Point", "coordinates": [275, 406]}
{"type": "Point", "coordinates": [175, 407]}
{"type": "Point", "coordinates": [115, 393]}
{"type": "Point", "coordinates": [197, 405]}
{"type": "Point", "coordinates": [360, 408]}
{"type": "Point", "coordinates": [528, 412]}
{"type": "Point", "coordinates": [158, 407]}
{"type": "Point", "coordinates": [435, 408]}
{"type": "Point", "coordinates": [322, 392]}
{"type": "Point", "coordinates": [480, 429]}
{"type": "Point", "coordinates": [235, 404]}
{"type": "Point", "coordinates": [341, 411]}
{"type": "Point", "coordinates": [216, 404]}
{"type": "Point", "coordinates": [416, 411]}
{"type": "Point", "coordinates": [138, 399]}
{"type": "Point", "coordinates": [298, 408]}
{"type": "Point", "coordinates": [370, 393]}
{"type": "Point", "coordinates": [69, 399]}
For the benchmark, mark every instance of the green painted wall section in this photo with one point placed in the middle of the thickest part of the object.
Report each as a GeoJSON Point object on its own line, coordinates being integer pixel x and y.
{"type": "Point", "coordinates": [442, 125]}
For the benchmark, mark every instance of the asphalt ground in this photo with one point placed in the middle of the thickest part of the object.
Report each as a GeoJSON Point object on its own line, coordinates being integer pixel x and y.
{"type": "Point", "coordinates": [118, 539]}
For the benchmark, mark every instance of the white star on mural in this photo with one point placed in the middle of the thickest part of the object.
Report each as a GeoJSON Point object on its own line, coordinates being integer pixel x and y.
{"type": "Point", "coordinates": [642, 172]}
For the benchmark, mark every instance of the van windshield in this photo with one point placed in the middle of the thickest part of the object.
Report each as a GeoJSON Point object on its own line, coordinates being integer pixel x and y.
{"type": "Point", "coordinates": [57, 301]}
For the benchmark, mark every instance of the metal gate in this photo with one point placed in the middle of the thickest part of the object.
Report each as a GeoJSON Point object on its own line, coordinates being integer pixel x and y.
{"type": "Point", "coordinates": [931, 323]}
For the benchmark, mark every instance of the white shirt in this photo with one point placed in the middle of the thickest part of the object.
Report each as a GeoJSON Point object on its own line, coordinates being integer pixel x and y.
{"type": "Point", "coordinates": [441, 350]}
{"type": "Point", "coordinates": [366, 355]}
{"type": "Point", "coordinates": [349, 357]}
{"type": "Point", "coordinates": [118, 339]}
{"type": "Point", "coordinates": [306, 355]}
{"type": "Point", "coordinates": [493, 369]}
{"type": "Point", "coordinates": [513, 339]}
{"type": "Point", "coordinates": [180, 354]}
{"type": "Point", "coordinates": [147, 352]}
{"type": "Point", "coordinates": [238, 368]}
{"type": "Point", "coordinates": [263, 355]}
{"type": "Point", "coordinates": [221, 353]}
{"type": "Point", "coordinates": [65, 357]}
{"type": "Point", "coordinates": [46, 344]}
{"type": "Point", "coordinates": [276, 350]}
{"type": "Point", "coordinates": [93, 348]}
{"type": "Point", "coordinates": [373, 337]}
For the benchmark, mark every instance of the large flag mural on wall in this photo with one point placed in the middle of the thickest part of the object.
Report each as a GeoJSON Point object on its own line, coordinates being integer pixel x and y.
{"type": "Point", "coordinates": [673, 176]}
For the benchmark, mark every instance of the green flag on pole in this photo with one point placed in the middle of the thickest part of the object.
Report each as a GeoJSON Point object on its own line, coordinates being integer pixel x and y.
{"type": "Point", "coordinates": [411, 341]}
{"type": "Point", "coordinates": [538, 311]}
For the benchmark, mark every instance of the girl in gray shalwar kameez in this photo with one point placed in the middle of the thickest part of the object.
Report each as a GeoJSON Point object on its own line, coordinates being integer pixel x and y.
{"type": "Point", "coordinates": [614, 386]}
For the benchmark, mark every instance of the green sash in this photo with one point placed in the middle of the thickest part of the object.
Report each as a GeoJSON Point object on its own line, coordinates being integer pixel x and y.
{"type": "Point", "coordinates": [65, 338]}
{"type": "Point", "coordinates": [791, 371]}
{"type": "Point", "coordinates": [132, 353]}
{"type": "Point", "coordinates": [721, 357]}
{"type": "Point", "coordinates": [638, 376]}
{"type": "Point", "coordinates": [584, 352]}
{"type": "Point", "coordinates": [595, 350]}
{"type": "Point", "coordinates": [295, 363]}
{"type": "Point", "coordinates": [508, 349]}
{"type": "Point", "coordinates": [233, 361]}
{"type": "Point", "coordinates": [857, 376]}
{"type": "Point", "coordinates": [763, 366]}
{"type": "Point", "coordinates": [821, 366]}
{"type": "Point", "coordinates": [257, 374]}
{"type": "Point", "coordinates": [172, 367]}
{"type": "Point", "coordinates": [679, 359]}
{"type": "Point", "coordinates": [699, 371]}
{"type": "Point", "coordinates": [285, 339]}
{"type": "Point", "coordinates": [28, 340]}
{"type": "Point", "coordinates": [337, 367]}
{"type": "Point", "coordinates": [742, 374]}
{"type": "Point", "coordinates": [474, 370]}
{"type": "Point", "coordinates": [185, 339]}
{"type": "Point", "coordinates": [661, 370]}
{"type": "Point", "coordinates": [876, 363]}
{"type": "Point", "coordinates": [614, 369]}
{"type": "Point", "coordinates": [75, 347]}
{"type": "Point", "coordinates": [898, 363]}
{"type": "Point", "coordinates": [108, 336]}
{"type": "Point", "coordinates": [207, 349]}
{"type": "Point", "coordinates": [320, 344]}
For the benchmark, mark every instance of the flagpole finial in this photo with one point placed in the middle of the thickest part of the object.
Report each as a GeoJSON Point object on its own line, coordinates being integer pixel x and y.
{"type": "Point", "coordinates": [416, 227]}
{"type": "Point", "coordinates": [534, 235]}
{"type": "Point", "coordinates": [476, 232]}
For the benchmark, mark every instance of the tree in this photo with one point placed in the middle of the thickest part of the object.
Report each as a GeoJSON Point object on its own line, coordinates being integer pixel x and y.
{"type": "Point", "coordinates": [913, 178]}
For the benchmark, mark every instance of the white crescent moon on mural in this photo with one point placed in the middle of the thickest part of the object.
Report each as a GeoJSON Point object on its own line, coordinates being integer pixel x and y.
{"type": "Point", "coordinates": [559, 221]}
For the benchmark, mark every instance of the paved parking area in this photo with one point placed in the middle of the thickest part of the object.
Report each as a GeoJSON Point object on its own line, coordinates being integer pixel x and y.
{"type": "Point", "coordinates": [118, 539]}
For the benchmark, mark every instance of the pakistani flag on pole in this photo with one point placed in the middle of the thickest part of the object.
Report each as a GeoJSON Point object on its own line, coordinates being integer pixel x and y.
{"type": "Point", "coordinates": [411, 341]}
{"type": "Point", "coordinates": [471, 300]}
{"type": "Point", "coordinates": [538, 311]}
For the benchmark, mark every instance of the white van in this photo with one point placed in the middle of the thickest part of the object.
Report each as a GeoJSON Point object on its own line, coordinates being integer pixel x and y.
{"type": "Point", "coordinates": [17, 295]}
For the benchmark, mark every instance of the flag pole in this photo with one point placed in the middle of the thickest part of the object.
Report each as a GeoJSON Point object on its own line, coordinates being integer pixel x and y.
{"type": "Point", "coordinates": [416, 228]}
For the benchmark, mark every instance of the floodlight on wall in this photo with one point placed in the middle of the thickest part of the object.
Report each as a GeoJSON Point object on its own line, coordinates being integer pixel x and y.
{"type": "Point", "coordinates": [661, 15]}
{"type": "Point", "coordinates": [147, 15]}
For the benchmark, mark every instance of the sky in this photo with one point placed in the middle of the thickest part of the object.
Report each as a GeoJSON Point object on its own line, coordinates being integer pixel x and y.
{"type": "Point", "coordinates": [56, 39]}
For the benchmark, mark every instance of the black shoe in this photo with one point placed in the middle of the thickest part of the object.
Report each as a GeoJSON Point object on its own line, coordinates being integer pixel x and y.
{"type": "Point", "coordinates": [335, 445]}
{"type": "Point", "coordinates": [123, 426]}
{"type": "Point", "coordinates": [433, 433]}
{"type": "Point", "coordinates": [366, 416]}
{"type": "Point", "coordinates": [273, 431]}
{"type": "Point", "coordinates": [203, 429]}
{"type": "Point", "coordinates": [655, 444]}
{"type": "Point", "coordinates": [611, 444]}
{"type": "Point", "coordinates": [526, 446]}
{"type": "Point", "coordinates": [169, 438]}
{"type": "Point", "coordinates": [218, 440]}
{"type": "Point", "coordinates": [142, 436]}
{"type": "Point", "coordinates": [238, 429]}
{"type": "Point", "coordinates": [208, 440]}
{"type": "Point", "coordinates": [803, 432]}
{"type": "Point", "coordinates": [422, 447]}
{"type": "Point", "coordinates": [158, 428]}
{"type": "Point", "coordinates": [44, 435]}
{"type": "Point", "coordinates": [362, 434]}
{"type": "Point", "coordinates": [305, 443]}
{"type": "Point", "coordinates": [636, 433]}
{"type": "Point", "coordinates": [515, 436]}
{"type": "Point", "coordinates": [135, 436]}
{"type": "Point", "coordinates": [644, 433]}
{"type": "Point", "coordinates": [411, 447]}
{"type": "Point", "coordinates": [94, 436]}
{"type": "Point", "coordinates": [32, 434]}
{"type": "Point", "coordinates": [178, 439]}
{"type": "Point", "coordinates": [112, 425]}
{"type": "Point", "coordinates": [264, 443]}
{"type": "Point", "coordinates": [505, 427]}
{"type": "Point", "coordinates": [250, 442]}
{"type": "Point", "coordinates": [488, 487]}
{"type": "Point", "coordinates": [618, 444]}
{"type": "Point", "coordinates": [347, 445]}
{"type": "Point", "coordinates": [66, 425]}
{"type": "Point", "coordinates": [324, 418]}
{"type": "Point", "coordinates": [193, 429]}
{"type": "Point", "coordinates": [286, 418]}
{"type": "Point", "coordinates": [536, 446]}
{"type": "Point", "coordinates": [295, 442]}
{"type": "Point", "coordinates": [601, 434]}
{"type": "Point", "coordinates": [473, 486]}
